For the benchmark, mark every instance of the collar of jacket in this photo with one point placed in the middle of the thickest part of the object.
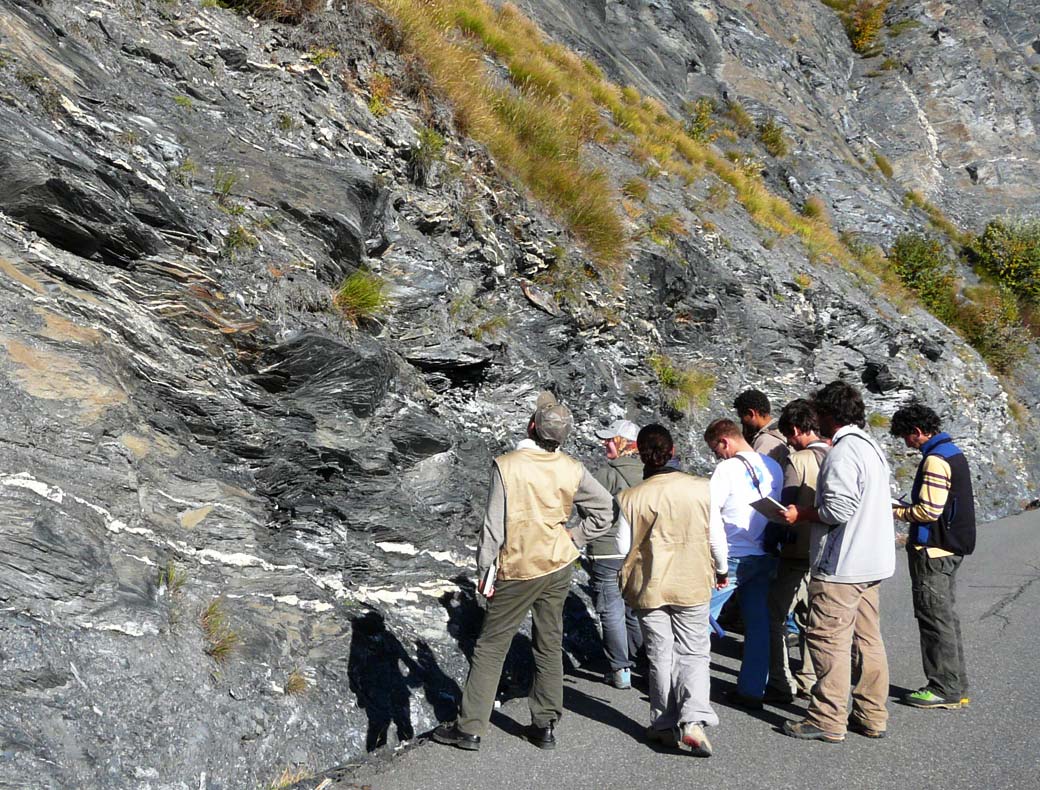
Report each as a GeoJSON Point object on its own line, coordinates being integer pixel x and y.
{"type": "Point", "coordinates": [648, 473]}
{"type": "Point", "coordinates": [935, 441]}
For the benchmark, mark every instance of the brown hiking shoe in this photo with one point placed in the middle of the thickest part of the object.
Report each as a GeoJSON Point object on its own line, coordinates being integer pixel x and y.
{"type": "Point", "coordinates": [810, 732]}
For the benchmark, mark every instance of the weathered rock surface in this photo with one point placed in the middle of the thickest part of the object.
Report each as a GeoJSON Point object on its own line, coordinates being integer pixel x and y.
{"type": "Point", "coordinates": [181, 190]}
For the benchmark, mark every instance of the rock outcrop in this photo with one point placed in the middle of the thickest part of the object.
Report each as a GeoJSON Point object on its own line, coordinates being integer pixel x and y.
{"type": "Point", "coordinates": [238, 527]}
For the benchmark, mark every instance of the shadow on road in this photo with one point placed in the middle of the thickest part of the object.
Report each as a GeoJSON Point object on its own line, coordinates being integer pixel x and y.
{"type": "Point", "coordinates": [599, 709]}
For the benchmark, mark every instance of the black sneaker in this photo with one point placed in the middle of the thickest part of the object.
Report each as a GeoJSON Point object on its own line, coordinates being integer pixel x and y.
{"type": "Point", "coordinates": [777, 697]}
{"type": "Point", "coordinates": [542, 737]}
{"type": "Point", "coordinates": [734, 697]}
{"type": "Point", "coordinates": [451, 735]}
{"type": "Point", "coordinates": [926, 698]}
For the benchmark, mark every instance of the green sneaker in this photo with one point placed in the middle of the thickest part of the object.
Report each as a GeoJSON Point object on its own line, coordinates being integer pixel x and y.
{"type": "Point", "coordinates": [926, 698]}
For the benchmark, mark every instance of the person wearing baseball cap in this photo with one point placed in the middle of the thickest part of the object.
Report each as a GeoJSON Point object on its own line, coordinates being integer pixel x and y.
{"type": "Point", "coordinates": [622, 637]}
{"type": "Point", "coordinates": [525, 561]}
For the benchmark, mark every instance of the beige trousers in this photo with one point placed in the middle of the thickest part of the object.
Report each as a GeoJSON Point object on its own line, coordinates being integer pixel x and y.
{"type": "Point", "coordinates": [841, 617]}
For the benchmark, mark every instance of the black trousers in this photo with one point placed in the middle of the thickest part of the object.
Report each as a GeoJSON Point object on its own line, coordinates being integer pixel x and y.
{"type": "Point", "coordinates": [933, 583]}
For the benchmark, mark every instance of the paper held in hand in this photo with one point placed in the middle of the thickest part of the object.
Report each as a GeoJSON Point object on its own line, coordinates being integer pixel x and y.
{"type": "Point", "coordinates": [770, 508]}
{"type": "Point", "coordinates": [486, 585]}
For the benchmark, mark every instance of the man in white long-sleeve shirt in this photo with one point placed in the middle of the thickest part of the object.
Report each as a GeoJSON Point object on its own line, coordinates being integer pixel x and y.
{"type": "Point", "coordinates": [852, 550]}
{"type": "Point", "coordinates": [742, 477]}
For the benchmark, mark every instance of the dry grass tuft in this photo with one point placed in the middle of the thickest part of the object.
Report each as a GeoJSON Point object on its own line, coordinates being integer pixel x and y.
{"type": "Point", "coordinates": [221, 639]}
{"type": "Point", "coordinates": [296, 683]}
{"type": "Point", "coordinates": [289, 777]}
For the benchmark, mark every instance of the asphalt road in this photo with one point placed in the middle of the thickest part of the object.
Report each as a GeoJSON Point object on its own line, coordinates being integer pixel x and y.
{"type": "Point", "coordinates": [992, 744]}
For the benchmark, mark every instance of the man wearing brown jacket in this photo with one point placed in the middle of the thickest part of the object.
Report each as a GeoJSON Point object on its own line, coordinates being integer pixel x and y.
{"type": "Point", "coordinates": [668, 578]}
{"type": "Point", "coordinates": [524, 538]}
{"type": "Point", "coordinates": [789, 587]}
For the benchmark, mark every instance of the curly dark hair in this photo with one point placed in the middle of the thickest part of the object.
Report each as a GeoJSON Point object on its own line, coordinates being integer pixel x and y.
{"type": "Point", "coordinates": [751, 399]}
{"type": "Point", "coordinates": [842, 402]}
{"type": "Point", "coordinates": [799, 414]}
{"type": "Point", "coordinates": [914, 415]}
{"type": "Point", "coordinates": [655, 445]}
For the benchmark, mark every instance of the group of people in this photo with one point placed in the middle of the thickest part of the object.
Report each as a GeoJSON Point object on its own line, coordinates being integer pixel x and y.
{"type": "Point", "coordinates": [797, 519]}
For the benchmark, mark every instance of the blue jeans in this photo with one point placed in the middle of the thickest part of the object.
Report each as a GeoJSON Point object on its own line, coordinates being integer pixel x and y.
{"type": "Point", "coordinates": [752, 576]}
{"type": "Point", "coordinates": [622, 637]}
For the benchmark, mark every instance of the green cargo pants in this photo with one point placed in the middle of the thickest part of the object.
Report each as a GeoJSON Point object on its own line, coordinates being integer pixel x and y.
{"type": "Point", "coordinates": [544, 598]}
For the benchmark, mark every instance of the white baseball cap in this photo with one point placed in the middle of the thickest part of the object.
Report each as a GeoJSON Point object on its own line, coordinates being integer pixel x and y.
{"type": "Point", "coordinates": [626, 429]}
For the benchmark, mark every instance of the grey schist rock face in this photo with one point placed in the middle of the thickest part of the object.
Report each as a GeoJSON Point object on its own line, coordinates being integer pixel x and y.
{"type": "Point", "coordinates": [190, 434]}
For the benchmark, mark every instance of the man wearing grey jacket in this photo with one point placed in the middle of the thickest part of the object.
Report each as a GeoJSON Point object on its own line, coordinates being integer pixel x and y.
{"type": "Point", "coordinates": [622, 638]}
{"type": "Point", "coordinates": [852, 550]}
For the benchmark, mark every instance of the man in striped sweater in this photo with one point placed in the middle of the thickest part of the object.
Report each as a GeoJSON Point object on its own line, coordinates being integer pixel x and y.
{"type": "Point", "coordinates": [941, 513]}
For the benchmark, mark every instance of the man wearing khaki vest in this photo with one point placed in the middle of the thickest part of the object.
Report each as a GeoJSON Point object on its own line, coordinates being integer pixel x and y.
{"type": "Point", "coordinates": [678, 557]}
{"type": "Point", "coordinates": [525, 560]}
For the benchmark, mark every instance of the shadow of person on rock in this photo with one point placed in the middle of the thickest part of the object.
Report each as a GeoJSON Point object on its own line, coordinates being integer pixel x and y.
{"type": "Point", "coordinates": [442, 692]}
{"type": "Point", "coordinates": [374, 670]}
{"type": "Point", "coordinates": [582, 643]}
{"type": "Point", "coordinates": [465, 618]}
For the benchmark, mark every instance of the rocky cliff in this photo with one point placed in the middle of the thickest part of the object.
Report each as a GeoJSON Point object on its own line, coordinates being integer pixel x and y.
{"type": "Point", "coordinates": [237, 524]}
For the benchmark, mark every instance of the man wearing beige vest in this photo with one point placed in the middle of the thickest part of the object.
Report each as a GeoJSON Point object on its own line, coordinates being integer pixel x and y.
{"type": "Point", "coordinates": [678, 558]}
{"type": "Point", "coordinates": [525, 560]}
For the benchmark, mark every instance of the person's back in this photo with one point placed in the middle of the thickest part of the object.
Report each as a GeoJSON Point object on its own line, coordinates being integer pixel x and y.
{"type": "Point", "coordinates": [742, 477]}
{"type": "Point", "coordinates": [670, 560]}
{"type": "Point", "coordinates": [853, 497]}
{"type": "Point", "coordinates": [802, 471]}
{"type": "Point", "coordinates": [857, 553]}
{"type": "Point", "coordinates": [737, 482]}
{"type": "Point", "coordinates": [677, 558]}
{"type": "Point", "coordinates": [539, 488]}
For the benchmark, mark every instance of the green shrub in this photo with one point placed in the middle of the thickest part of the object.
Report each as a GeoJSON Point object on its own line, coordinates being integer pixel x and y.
{"type": "Point", "coordinates": [863, 21]}
{"type": "Point", "coordinates": [991, 322]}
{"type": "Point", "coordinates": [701, 123]}
{"type": "Point", "coordinates": [924, 267]}
{"type": "Point", "coordinates": [429, 151]}
{"type": "Point", "coordinates": [988, 317]}
{"type": "Point", "coordinates": [362, 295]}
{"type": "Point", "coordinates": [1009, 250]}
{"type": "Point", "coordinates": [883, 164]}
{"type": "Point", "coordinates": [771, 135]}
{"type": "Point", "coordinates": [683, 388]}
{"type": "Point", "coordinates": [224, 181]}
{"type": "Point", "coordinates": [739, 118]}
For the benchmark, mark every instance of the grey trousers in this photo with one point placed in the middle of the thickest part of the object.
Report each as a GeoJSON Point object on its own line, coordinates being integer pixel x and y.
{"type": "Point", "coordinates": [789, 587]}
{"type": "Point", "coordinates": [544, 598]}
{"type": "Point", "coordinates": [678, 648]}
{"type": "Point", "coordinates": [933, 582]}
